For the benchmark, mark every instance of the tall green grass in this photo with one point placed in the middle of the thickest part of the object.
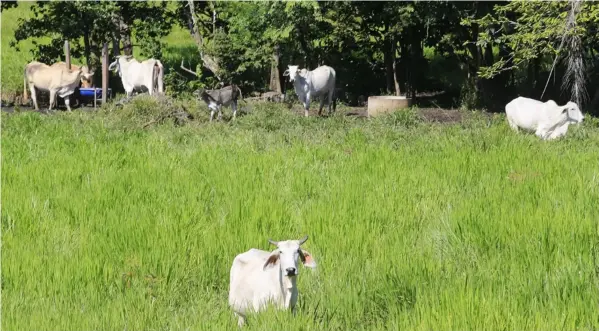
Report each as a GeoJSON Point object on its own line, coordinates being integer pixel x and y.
{"type": "Point", "coordinates": [413, 226]}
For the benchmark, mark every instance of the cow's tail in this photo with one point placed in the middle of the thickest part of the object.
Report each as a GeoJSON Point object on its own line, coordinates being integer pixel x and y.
{"type": "Point", "coordinates": [25, 97]}
{"type": "Point", "coordinates": [240, 95]}
{"type": "Point", "coordinates": [160, 77]}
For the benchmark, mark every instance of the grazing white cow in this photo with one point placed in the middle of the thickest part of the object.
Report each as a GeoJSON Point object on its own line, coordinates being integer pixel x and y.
{"type": "Point", "coordinates": [86, 77]}
{"type": "Point", "coordinates": [259, 277]}
{"type": "Point", "coordinates": [312, 84]}
{"type": "Point", "coordinates": [546, 119]}
{"type": "Point", "coordinates": [54, 79]}
{"type": "Point", "coordinates": [147, 74]}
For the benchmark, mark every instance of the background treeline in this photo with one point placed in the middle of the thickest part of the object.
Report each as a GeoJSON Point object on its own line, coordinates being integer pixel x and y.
{"type": "Point", "coordinates": [479, 54]}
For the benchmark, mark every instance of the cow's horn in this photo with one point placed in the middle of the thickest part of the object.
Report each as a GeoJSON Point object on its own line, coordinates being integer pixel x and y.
{"type": "Point", "coordinates": [303, 240]}
{"type": "Point", "coordinates": [273, 242]}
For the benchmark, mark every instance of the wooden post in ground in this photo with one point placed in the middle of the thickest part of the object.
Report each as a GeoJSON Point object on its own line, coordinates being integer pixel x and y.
{"type": "Point", "coordinates": [67, 54]}
{"type": "Point", "coordinates": [104, 72]}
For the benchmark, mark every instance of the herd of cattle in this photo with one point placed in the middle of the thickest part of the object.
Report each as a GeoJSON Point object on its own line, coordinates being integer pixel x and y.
{"type": "Point", "coordinates": [546, 119]}
{"type": "Point", "coordinates": [148, 76]}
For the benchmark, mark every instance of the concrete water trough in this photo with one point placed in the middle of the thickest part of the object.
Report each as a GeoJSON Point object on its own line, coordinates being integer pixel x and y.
{"type": "Point", "coordinates": [382, 104]}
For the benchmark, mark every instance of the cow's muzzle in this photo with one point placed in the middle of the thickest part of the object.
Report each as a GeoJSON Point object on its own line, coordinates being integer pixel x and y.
{"type": "Point", "coordinates": [291, 272]}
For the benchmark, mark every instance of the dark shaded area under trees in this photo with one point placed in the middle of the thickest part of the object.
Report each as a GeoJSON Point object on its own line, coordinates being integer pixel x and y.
{"type": "Point", "coordinates": [480, 54]}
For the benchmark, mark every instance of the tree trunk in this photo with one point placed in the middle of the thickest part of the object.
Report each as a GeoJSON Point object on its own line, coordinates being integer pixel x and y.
{"type": "Point", "coordinates": [275, 80]}
{"type": "Point", "coordinates": [123, 32]}
{"type": "Point", "coordinates": [116, 47]}
{"type": "Point", "coordinates": [389, 58]}
{"type": "Point", "coordinates": [209, 62]}
{"type": "Point", "coordinates": [405, 64]}
{"type": "Point", "coordinates": [87, 50]}
{"type": "Point", "coordinates": [395, 74]}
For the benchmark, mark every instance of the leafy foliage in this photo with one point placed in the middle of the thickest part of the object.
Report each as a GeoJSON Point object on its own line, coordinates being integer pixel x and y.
{"type": "Point", "coordinates": [481, 54]}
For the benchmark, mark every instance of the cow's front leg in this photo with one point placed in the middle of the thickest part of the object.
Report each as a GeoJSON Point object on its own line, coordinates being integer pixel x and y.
{"type": "Point", "coordinates": [52, 100]}
{"type": "Point", "coordinates": [307, 105]}
{"type": "Point", "coordinates": [234, 106]}
{"type": "Point", "coordinates": [211, 114]}
{"type": "Point", "coordinates": [220, 113]}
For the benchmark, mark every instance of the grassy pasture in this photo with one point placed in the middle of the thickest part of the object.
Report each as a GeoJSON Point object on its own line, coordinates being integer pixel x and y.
{"type": "Point", "coordinates": [414, 225]}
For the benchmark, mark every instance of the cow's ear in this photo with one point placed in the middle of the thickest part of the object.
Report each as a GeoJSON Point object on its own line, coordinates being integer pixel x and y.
{"type": "Point", "coordinates": [307, 259]}
{"type": "Point", "coordinates": [272, 259]}
{"type": "Point", "coordinates": [286, 72]}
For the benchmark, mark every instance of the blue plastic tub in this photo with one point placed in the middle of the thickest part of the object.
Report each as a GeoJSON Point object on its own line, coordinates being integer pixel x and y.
{"type": "Point", "coordinates": [89, 92]}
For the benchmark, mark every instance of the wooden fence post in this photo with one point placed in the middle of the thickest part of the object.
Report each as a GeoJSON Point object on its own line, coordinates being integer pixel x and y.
{"type": "Point", "coordinates": [104, 72]}
{"type": "Point", "coordinates": [67, 54]}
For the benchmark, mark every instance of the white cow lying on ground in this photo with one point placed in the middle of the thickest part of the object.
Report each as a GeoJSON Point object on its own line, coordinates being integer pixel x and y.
{"type": "Point", "coordinates": [312, 84]}
{"type": "Point", "coordinates": [259, 277]}
{"type": "Point", "coordinates": [54, 79]}
{"type": "Point", "coordinates": [147, 74]}
{"type": "Point", "coordinates": [546, 119]}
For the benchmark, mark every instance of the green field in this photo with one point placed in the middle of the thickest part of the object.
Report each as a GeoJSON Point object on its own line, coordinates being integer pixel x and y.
{"type": "Point", "coordinates": [416, 226]}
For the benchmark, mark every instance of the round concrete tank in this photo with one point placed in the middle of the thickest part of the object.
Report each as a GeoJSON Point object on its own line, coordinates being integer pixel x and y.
{"type": "Point", "coordinates": [381, 104]}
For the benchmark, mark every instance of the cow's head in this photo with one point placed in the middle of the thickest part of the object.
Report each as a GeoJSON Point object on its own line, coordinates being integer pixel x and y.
{"type": "Point", "coordinates": [86, 76]}
{"type": "Point", "coordinates": [572, 111]}
{"type": "Point", "coordinates": [119, 60]}
{"type": "Point", "coordinates": [287, 255]}
{"type": "Point", "coordinates": [292, 72]}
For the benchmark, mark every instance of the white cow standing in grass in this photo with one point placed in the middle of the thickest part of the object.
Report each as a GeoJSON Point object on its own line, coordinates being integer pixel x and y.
{"type": "Point", "coordinates": [259, 277]}
{"type": "Point", "coordinates": [546, 119]}
{"type": "Point", "coordinates": [312, 84]}
{"type": "Point", "coordinates": [138, 75]}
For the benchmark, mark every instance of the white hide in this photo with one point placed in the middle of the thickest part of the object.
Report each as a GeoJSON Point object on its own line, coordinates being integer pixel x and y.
{"type": "Point", "coordinates": [259, 277]}
{"type": "Point", "coordinates": [546, 119]}
{"type": "Point", "coordinates": [136, 75]}
{"type": "Point", "coordinates": [319, 82]}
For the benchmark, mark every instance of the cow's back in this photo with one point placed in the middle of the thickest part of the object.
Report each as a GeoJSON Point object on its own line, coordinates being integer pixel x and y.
{"type": "Point", "coordinates": [322, 80]}
{"type": "Point", "coordinates": [250, 285]}
{"type": "Point", "coordinates": [525, 112]}
{"type": "Point", "coordinates": [40, 74]}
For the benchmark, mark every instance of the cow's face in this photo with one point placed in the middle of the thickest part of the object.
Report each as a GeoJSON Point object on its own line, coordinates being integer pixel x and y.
{"type": "Point", "coordinates": [287, 254]}
{"type": "Point", "coordinates": [118, 62]}
{"type": "Point", "coordinates": [86, 76]}
{"type": "Point", "coordinates": [573, 112]}
{"type": "Point", "coordinates": [292, 72]}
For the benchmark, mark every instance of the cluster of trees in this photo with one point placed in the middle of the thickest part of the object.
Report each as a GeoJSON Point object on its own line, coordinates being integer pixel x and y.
{"type": "Point", "coordinates": [480, 53]}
